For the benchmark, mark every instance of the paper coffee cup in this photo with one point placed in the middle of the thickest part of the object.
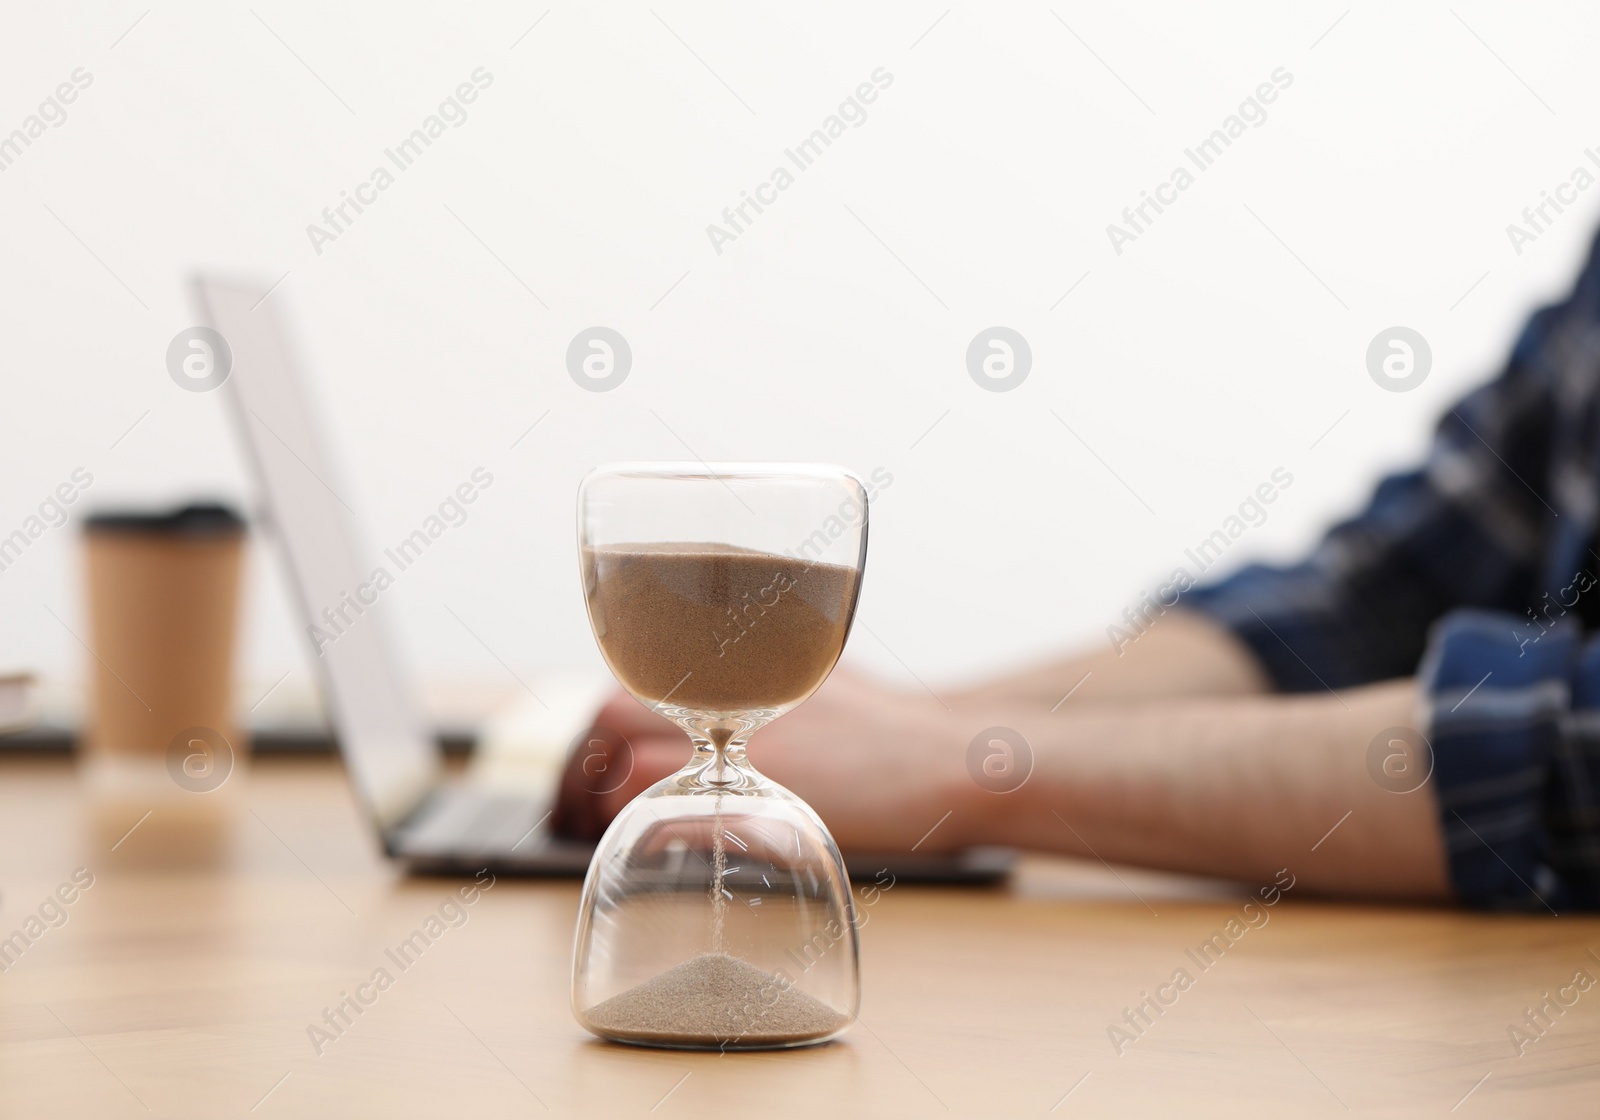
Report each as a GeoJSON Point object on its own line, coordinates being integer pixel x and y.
{"type": "Point", "coordinates": [163, 620]}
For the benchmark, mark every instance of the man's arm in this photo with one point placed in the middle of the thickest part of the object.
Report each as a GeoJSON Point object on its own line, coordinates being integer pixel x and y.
{"type": "Point", "coordinates": [1230, 786]}
{"type": "Point", "coordinates": [1182, 653]}
{"type": "Point", "coordinates": [1235, 787]}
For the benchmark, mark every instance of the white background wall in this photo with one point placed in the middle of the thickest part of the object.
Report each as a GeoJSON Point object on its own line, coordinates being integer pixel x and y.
{"type": "Point", "coordinates": [1194, 363]}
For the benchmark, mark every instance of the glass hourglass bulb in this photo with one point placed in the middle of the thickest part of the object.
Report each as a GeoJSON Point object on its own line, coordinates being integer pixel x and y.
{"type": "Point", "coordinates": [716, 912]}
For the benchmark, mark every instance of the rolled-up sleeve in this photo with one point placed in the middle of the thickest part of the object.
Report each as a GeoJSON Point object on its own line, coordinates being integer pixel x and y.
{"type": "Point", "coordinates": [1514, 784]}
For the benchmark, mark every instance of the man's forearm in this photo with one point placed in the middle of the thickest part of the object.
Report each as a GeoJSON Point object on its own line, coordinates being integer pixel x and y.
{"type": "Point", "coordinates": [1235, 787]}
{"type": "Point", "coordinates": [1180, 653]}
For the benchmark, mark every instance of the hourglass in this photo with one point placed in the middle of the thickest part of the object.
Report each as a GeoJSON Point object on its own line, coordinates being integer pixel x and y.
{"type": "Point", "coordinates": [716, 913]}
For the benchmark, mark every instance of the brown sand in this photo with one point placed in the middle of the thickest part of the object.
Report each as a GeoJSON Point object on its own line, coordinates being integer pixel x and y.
{"type": "Point", "coordinates": [715, 628]}
{"type": "Point", "coordinates": [714, 999]}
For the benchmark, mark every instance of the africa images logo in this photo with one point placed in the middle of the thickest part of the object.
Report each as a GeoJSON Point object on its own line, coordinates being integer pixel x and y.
{"type": "Point", "coordinates": [452, 112]}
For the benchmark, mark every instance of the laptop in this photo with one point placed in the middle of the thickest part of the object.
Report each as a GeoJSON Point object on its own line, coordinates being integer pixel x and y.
{"type": "Point", "coordinates": [434, 822]}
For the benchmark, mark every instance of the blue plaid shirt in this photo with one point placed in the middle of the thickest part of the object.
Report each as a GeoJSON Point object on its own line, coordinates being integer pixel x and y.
{"type": "Point", "coordinates": [1475, 574]}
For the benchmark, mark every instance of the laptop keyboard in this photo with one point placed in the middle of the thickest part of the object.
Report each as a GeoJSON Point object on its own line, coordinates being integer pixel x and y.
{"type": "Point", "coordinates": [463, 821]}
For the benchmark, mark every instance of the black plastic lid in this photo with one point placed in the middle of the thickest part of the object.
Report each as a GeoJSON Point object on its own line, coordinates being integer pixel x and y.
{"type": "Point", "coordinates": [197, 519]}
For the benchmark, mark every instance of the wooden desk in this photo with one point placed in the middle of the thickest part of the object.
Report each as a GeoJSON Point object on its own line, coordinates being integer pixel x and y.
{"type": "Point", "coordinates": [188, 991]}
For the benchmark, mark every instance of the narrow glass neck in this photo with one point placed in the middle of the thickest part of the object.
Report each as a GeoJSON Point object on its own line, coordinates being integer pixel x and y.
{"type": "Point", "coordinates": [723, 768]}
{"type": "Point", "coordinates": [719, 749]}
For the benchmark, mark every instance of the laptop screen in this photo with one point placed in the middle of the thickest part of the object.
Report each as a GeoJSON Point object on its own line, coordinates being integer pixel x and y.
{"type": "Point", "coordinates": [307, 507]}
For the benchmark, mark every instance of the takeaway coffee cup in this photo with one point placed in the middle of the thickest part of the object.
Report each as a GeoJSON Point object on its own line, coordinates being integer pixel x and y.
{"type": "Point", "coordinates": [163, 617]}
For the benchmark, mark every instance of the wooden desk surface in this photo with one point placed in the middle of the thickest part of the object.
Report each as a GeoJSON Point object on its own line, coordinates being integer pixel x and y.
{"type": "Point", "coordinates": [188, 991]}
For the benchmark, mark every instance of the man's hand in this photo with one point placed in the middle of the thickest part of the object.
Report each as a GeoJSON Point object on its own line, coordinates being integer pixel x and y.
{"type": "Point", "coordinates": [879, 766]}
